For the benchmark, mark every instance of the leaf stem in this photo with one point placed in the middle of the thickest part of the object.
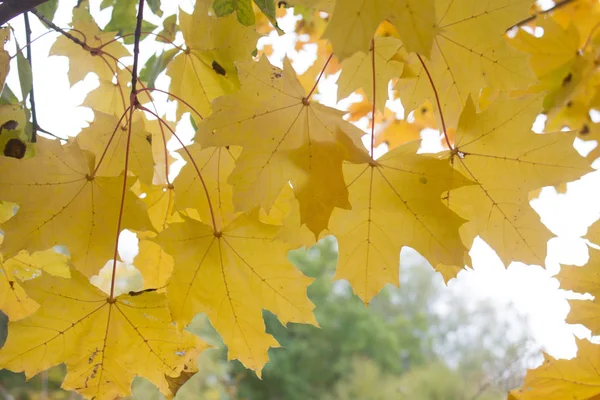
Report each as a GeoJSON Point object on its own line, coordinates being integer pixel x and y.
{"type": "Point", "coordinates": [374, 97]}
{"type": "Point", "coordinates": [319, 77]}
{"type": "Point", "coordinates": [31, 93]}
{"type": "Point", "coordinates": [210, 206]}
{"type": "Point", "coordinates": [439, 105]}
{"type": "Point", "coordinates": [132, 106]}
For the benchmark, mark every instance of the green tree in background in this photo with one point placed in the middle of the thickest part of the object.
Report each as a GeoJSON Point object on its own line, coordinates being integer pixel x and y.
{"type": "Point", "coordinates": [419, 342]}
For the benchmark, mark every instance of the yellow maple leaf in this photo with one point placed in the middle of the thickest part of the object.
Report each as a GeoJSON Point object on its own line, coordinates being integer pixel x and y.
{"type": "Point", "coordinates": [357, 71]}
{"type": "Point", "coordinates": [396, 202]}
{"type": "Point", "coordinates": [583, 280]}
{"type": "Point", "coordinates": [354, 23]}
{"type": "Point", "coordinates": [155, 265]}
{"type": "Point", "coordinates": [14, 302]}
{"type": "Point", "coordinates": [206, 69]}
{"type": "Point", "coordinates": [231, 265]}
{"type": "Point", "coordinates": [497, 149]}
{"type": "Point", "coordinates": [83, 61]}
{"type": "Point", "coordinates": [106, 137]}
{"type": "Point", "coordinates": [61, 202]}
{"type": "Point", "coordinates": [232, 275]}
{"type": "Point", "coordinates": [277, 127]}
{"type": "Point", "coordinates": [103, 342]}
{"type": "Point", "coordinates": [469, 52]}
{"type": "Point", "coordinates": [576, 379]}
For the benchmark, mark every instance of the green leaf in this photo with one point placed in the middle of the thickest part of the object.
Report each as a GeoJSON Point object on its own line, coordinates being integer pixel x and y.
{"type": "Point", "coordinates": [170, 28]}
{"type": "Point", "coordinates": [155, 7]}
{"type": "Point", "coordinates": [25, 77]}
{"type": "Point", "coordinates": [245, 13]}
{"type": "Point", "coordinates": [193, 123]}
{"type": "Point", "coordinates": [155, 65]}
{"type": "Point", "coordinates": [48, 9]}
{"type": "Point", "coordinates": [269, 9]}
{"type": "Point", "coordinates": [223, 8]}
{"type": "Point", "coordinates": [7, 96]}
{"type": "Point", "coordinates": [123, 19]}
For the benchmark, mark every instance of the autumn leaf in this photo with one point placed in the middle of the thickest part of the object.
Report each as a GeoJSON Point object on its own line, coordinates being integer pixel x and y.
{"type": "Point", "coordinates": [103, 342]}
{"type": "Point", "coordinates": [107, 138]}
{"type": "Point", "coordinates": [469, 52]}
{"type": "Point", "coordinates": [83, 61]}
{"type": "Point", "coordinates": [277, 127]}
{"type": "Point", "coordinates": [357, 71]}
{"type": "Point", "coordinates": [498, 151]}
{"type": "Point", "coordinates": [62, 202]}
{"type": "Point", "coordinates": [396, 201]}
{"type": "Point", "coordinates": [354, 23]}
{"type": "Point", "coordinates": [206, 69]}
{"type": "Point", "coordinates": [576, 379]}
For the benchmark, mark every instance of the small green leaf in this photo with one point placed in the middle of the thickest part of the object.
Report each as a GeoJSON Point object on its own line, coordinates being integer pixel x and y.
{"type": "Point", "coordinates": [7, 96]}
{"type": "Point", "coordinates": [155, 65]}
{"type": "Point", "coordinates": [25, 77]}
{"type": "Point", "coordinates": [193, 123]}
{"type": "Point", "coordinates": [123, 20]}
{"type": "Point", "coordinates": [48, 9]}
{"type": "Point", "coordinates": [269, 9]}
{"type": "Point", "coordinates": [155, 7]}
{"type": "Point", "coordinates": [170, 28]}
{"type": "Point", "coordinates": [245, 13]}
{"type": "Point", "coordinates": [223, 8]}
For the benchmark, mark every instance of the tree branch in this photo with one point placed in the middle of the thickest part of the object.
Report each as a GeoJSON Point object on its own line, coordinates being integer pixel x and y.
{"type": "Point", "coordinates": [12, 8]}
{"type": "Point", "coordinates": [136, 51]}
{"type": "Point", "coordinates": [60, 30]}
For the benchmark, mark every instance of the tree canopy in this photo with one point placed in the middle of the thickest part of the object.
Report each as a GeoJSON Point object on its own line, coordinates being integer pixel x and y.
{"type": "Point", "coordinates": [270, 169]}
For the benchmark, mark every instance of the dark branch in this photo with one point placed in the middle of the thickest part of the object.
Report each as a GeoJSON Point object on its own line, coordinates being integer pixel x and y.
{"type": "Point", "coordinates": [59, 29]}
{"type": "Point", "coordinates": [136, 52]}
{"type": "Point", "coordinates": [31, 94]}
{"type": "Point", "coordinates": [12, 8]}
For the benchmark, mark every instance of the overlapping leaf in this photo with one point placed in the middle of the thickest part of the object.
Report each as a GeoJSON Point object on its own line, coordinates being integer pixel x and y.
{"type": "Point", "coordinates": [206, 69]}
{"type": "Point", "coordinates": [231, 266]}
{"type": "Point", "coordinates": [104, 343]}
{"type": "Point", "coordinates": [277, 127]}
{"type": "Point", "coordinates": [497, 149]}
{"type": "Point", "coordinates": [61, 202]}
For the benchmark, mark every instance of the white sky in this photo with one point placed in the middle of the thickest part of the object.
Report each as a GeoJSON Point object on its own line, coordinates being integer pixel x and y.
{"type": "Point", "coordinates": [532, 289]}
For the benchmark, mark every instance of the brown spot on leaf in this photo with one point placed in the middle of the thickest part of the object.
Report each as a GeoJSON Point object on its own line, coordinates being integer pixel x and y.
{"type": "Point", "coordinates": [218, 68]}
{"type": "Point", "coordinates": [15, 148]}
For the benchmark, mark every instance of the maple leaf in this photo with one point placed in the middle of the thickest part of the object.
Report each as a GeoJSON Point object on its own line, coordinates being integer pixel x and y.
{"type": "Point", "coordinates": [396, 202]}
{"type": "Point", "coordinates": [583, 280]}
{"type": "Point", "coordinates": [497, 149]}
{"type": "Point", "coordinates": [14, 302]}
{"type": "Point", "coordinates": [4, 56]}
{"type": "Point", "coordinates": [232, 269]}
{"type": "Point", "coordinates": [107, 138]}
{"type": "Point", "coordinates": [576, 379]}
{"type": "Point", "coordinates": [103, 342]}
{"type": "Point", "coordinates": [469, 52]}
{"type": "Point", "coordinates": [354, 23]}
{"type": "Point", "coordinates": [82, 61]}
{"type": "Point", "coordinates": [357, 71]}
{"type": "Point", "coordinates": [206, 69]}
{"type": "Point", "coordinates": [62, 202]}
{"type": "Point", "coordinates": [277, 127]}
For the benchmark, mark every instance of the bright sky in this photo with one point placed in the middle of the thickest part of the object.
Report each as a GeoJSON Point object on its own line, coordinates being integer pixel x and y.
{"type": "Point", "coordinates": [532, 289]}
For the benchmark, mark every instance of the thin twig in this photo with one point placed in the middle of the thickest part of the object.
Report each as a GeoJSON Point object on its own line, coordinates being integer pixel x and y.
{"type": "Point", "coordinates": [59, 29]}
{"type": "Point", "coordinates": [557, 5]}
{"type": "Point", "coordinates": [51, 134]}
{"type": "Point", "coordinates": [31, 94]}
{"type": "Point", "coordinates": [136, 51]}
